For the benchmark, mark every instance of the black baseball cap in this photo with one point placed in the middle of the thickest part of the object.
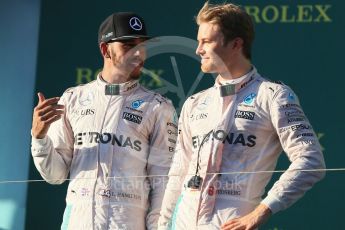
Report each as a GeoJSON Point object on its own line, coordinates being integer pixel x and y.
{"type": "Point", "coordinates": [122, 26]}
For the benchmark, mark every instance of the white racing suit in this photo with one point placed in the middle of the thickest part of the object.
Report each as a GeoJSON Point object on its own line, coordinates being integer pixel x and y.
{"type": "Point", "coordinates": [247, 132]}
{"type": "Point", "coordinates": [109, 144]}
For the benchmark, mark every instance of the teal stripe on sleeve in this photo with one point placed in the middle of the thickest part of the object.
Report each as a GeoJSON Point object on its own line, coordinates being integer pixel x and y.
{"type": "Point", "coordinates": [66, 217]}
{"type": "Point", "coordinates": [174, 216]}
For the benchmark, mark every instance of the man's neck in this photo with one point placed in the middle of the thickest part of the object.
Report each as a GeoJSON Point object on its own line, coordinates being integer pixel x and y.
{"type": "Point", "coordinates": [114, 76]}
{"type": "Point", "coordinates": [236, 70]}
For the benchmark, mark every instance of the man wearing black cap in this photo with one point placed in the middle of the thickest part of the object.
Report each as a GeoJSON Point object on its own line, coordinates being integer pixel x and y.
{"type": "Point", "coordinates": [113, 137]}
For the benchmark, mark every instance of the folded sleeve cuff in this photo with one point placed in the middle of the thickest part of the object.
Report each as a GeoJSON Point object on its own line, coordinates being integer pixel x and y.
{"type": "Point", "coordinates": [38, 146]}
{"type": "Point", "coordinates": [272, 203]}
{"type": "Point", "coordinates": [39, 142]}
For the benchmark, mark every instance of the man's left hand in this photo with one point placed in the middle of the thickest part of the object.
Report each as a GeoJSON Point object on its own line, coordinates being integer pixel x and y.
{"type": "Point", "coordinates": [250, 221]}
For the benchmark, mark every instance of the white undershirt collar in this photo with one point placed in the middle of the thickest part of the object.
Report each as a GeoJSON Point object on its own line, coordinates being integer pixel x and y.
{"type": "Point", "coordinates": [237, 80]}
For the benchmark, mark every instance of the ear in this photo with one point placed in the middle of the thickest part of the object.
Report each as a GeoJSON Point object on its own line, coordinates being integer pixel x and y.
{"type": "Point", "coordinates": [238, 43]}
{"type": "Point", "coordinates": [104, 49]}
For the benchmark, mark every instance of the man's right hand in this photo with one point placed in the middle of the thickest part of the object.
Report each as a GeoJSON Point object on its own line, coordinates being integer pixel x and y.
{"type": "Point", "coordinates": [46, 112]}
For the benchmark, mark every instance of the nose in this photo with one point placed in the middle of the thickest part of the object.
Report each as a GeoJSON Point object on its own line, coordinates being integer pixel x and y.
{"type": "Point", "coordinates": [139, 51]}
{"type": "Point", "coordinates": [199, 50]}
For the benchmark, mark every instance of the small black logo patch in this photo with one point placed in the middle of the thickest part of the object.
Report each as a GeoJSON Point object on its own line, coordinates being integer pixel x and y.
{"type": "Point", "coordinates": [132, 117]}
{"type": "Point", "coordinates": [244, 114]}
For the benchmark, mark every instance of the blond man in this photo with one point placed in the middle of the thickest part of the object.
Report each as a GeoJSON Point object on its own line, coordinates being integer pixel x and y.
{"type": "Point", "coordinates": [234, 130]}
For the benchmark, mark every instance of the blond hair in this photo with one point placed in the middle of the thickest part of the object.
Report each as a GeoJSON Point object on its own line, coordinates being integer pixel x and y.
{"type": "Point", "coordinates": [233, 22]}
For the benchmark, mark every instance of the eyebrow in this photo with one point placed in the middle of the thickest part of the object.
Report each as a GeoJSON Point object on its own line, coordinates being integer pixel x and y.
{"type": "Point", "coordinates": [204, 39]}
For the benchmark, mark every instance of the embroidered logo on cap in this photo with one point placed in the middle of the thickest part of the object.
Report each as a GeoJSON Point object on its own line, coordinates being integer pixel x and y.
{"type": "Point", "coordinates": [135, 23]}
{"type": "Point", "coordinates": [107, 35]}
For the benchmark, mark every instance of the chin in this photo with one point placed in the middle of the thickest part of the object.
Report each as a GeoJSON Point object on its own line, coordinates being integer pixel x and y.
{"type": "Point", "coordinates": [207, 69]}
{"type": "Point", "coordinates": [135, 75]}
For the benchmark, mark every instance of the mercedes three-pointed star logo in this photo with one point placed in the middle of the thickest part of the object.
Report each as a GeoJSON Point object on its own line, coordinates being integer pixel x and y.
{"type": "Point", "coordinates": [86, 100]}
{"type": "Point", "coordinates": [135, 23]}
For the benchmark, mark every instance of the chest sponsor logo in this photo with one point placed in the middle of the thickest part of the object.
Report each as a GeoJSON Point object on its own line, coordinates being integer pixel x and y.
{"type": "Point", "coordinates": [132, 117]}
{"type": "Point", "coordinates": [131, 87]}
{"type": "Point", "coordinates": [291, 96]}
{"type": "Point", "coordinates": [286, 106]}
{"type": "Point", "coordinates": [204, 103]}
{"type": "Point", "coordinates": [124, 195]}
{"type": "Point", "coordinates": [229, 192]}
{"type": "Point", "coordinates": [249, 99]}
{"type": "Point", "coordinates": [248, 115]}
{"type": "Point", "coordinates": [172, 125]}
{"type": "Point", "coordinates": [107, 138]}
{"type": "Point", "coordinates": [171, 149]}
{"type": "Point", "coordinates": [136, 104]}
{"type": "Point", "coordinates": [305, 135]}
{"type": "Point", "coordinates": [172, 140]}
{"type": "Point", "coordinates": [196, 117]}
{"type": "Point", "coordinates": [175, 118]}
{"type": "Point", "coordinates": [299, 127]}
{"type": "Point", "coordinates": [308, 142]}
{"type": "Point", "coordinates": [230, 138]}
{"type": "Point", "coordinates": [295, 119]}
{"type": "Point", "coordinates": [294, 112]}
{"type": "Point", "coordinates": [134, 110]}
{"type": "Point", "coordinates": [172, 135]}
{"type": "Point", "coordinates": [172, 132]}
{"type": "Point", "coordinates": [84, 112]}
{"type": "Point", "coordinates": [85, 192]}
{"type": "Point", "coordinates": [160, 100]}
{"type": "Point", "coordinates": [246, 106]}
{"type": "Point", "coordinates": [284, 129]}
{"type": "Point", "coordinates": [226, 188]}
{"type": "Point", "coordinates": [294, 128]}
{"type": "Point", "coordinates": [87, 99]}
{"type": "Point", "coordinates": [247, 82]}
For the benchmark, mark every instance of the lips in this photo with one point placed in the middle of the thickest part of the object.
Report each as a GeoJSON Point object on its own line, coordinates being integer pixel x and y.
{"type": "Point", "coordinates": [137, 62]}
{"type": "Point", "coordinates": [204, 60]}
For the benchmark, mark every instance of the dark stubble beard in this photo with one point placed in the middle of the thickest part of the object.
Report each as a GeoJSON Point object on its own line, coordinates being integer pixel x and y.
{"type": "Point", "coordinates": [134, 74]}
